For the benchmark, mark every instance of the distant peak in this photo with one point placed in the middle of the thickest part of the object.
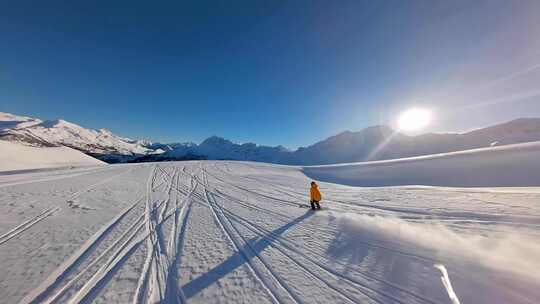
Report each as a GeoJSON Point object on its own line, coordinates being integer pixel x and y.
{"type": "Point", "coordinates": [380, 128]}
{"type": "Point", "coordinates": [12, 121]}
{"type": "Point", "coordinates": [12, 117]}
{"type": "Point", "coordinates": [59, 123]}
{"type": "Point", "coordinates": [346, 132]}
{"type": "Point", "coordinates": [105, 131]}
{"type": "Point", "coordinates": [519, 124]}
{"type": "Point", "coordinates": [525, 120]}
{"type": "Point", "coordinates": [215, 140]}
{"type": "Point", "coordinates": [52, 123]}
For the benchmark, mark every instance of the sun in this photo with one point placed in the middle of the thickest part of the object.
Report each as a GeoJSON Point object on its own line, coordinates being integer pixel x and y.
{"type": "Point", "coordinates": [414, 119]}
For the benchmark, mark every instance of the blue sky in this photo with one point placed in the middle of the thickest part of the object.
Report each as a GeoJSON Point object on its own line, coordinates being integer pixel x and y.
{"type": "Point", "coordinates": [270, 72]}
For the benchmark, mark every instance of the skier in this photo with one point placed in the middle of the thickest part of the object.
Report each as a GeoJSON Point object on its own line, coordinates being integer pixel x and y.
{"type": "Point", "coordinates": [315, 196]}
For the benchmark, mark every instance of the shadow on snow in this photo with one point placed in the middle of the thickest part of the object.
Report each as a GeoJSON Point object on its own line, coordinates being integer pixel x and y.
{"type": "Point", "coordinates": [251, 249]}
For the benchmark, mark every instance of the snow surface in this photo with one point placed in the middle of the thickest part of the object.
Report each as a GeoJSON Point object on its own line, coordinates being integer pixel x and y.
{"type": "Point", "coordinates": [60, 132]}
{"type": "Point", "coordinates": [97, 141]}
{"type": "Point", "coordinates": [14, 156]}
{"type": "Point", "coordinates": [11, 121]}
{"type": "Point", "coordinates": [511, 165]}
{"type": "Point", "coordinates": [240, 232]}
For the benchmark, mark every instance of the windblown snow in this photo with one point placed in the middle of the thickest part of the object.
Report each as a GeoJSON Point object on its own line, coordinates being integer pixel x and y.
{"type": "Point", "coordinates": [241, 232]}
{"type": "Point", "coordinates": [14, 156]}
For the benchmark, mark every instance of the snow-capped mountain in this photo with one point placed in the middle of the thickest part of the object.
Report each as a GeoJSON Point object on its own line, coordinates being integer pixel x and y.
{"type": "Point", "coordinates": [345, 147]}
{"type": "Point", "coordinates": [218, 148]}
{"type": "Point", "coordinates": [516, 131]}
{"type": "Point", "coordinates": [381, 142]}
{"type": "Point", "coordinates": [373, 143]}
{"type": "Point", "coordinates": [100, 143]}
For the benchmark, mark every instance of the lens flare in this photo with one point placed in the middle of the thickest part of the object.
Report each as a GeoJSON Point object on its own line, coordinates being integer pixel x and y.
{"type": "Point", "coordinates": [414, 119]}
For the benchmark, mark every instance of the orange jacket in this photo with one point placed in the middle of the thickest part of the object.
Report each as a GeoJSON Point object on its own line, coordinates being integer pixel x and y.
{"type": "Point", "coordinates": [315, 194]}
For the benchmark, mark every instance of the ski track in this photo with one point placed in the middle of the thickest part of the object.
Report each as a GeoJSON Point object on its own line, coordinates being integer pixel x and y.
{"type": "Point", "coordinates": [256, 272]}
{"type": "Point", "coordinates": [153, 229]}
{"type": "Point", "coordinates": [51, 210]}
{"type": "Point", "coordinates": [332, 286]}
{"type": "Point", "coordinates": [362, 288]}
{"type": "Point", "coordinates": [27, 224]}
{"type": "Point", "coordinates": [40, 293]}
{"type": "Point", "coordinates": [477, 217]}
{"type": "Point", "coordinates": [287, 249]}
{"type": "Point", "coordinates": [37, 178]}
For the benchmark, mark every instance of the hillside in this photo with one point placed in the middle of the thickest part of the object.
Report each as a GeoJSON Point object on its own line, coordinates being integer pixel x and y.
{"type": "Point", "coordinates": [372, 143]}
{"type": "Point", "coordinates": [101, 143]}
{"type": "Point", "coordinates": [512, 165]}
{"type": "Point", "coordinates": [15, 156]}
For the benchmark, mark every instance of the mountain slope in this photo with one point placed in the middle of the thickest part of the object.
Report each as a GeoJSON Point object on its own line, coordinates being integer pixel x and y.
{"type": "Point", "coordinates": [510, 165]}
{"type": "Point", "coordinates": [343, 147]}
{"type": "Point", "coordinates": [515, 131]}
{"type": "Point", "coordinates": [373, 143]}
{"type": "Point", "coordinates": [11, 121]}
{"type": "Point", "coordinates": [379, 143]}
{"type": "Point", "coordinates": [16, 156]}
{"type": "Point", "coordinates": [100, 143]}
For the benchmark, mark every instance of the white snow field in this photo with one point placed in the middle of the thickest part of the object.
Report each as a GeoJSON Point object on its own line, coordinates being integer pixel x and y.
{"type": "Point", "coordinates": [16, 156]}
{"type": "Point", "coordinates": [512, 165]}
{"type": "Point", "coordinates": [240, 232]}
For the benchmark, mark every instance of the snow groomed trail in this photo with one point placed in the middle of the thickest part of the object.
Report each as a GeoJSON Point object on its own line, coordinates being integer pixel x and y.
{"type": "Point", "coordinates": [240, 232]}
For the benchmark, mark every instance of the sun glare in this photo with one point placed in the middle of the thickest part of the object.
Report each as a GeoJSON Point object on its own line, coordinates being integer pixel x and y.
{"type": "Point", "coordinates": [414, 119]}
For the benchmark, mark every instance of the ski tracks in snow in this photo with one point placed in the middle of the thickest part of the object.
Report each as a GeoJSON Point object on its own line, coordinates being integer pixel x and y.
{"type": "Point", "coordinates": [27, 224]}
{"type": "Point", "coordinates": [273, 285]}
{"type": "Point", "coordinates": [203, 233]}
{"type": "Point", "coordinates": [346, 289]}
{"type": "Point", "coordinates": [265, 240]}
{"type": "Point", "coordinates": [83, 276]}
{"type": "Point", "coordinates": [51, 210]}
{"type": "Point", "coordinates": [158, 282]}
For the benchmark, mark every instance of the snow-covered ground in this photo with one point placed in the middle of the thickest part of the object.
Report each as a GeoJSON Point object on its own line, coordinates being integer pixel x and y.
{"type": "Point", "coordinates": [512, 165]}
{"type": "Point", "coordinates": [239, 232]}
{"type": "Point", "coordinates": [15, 156]}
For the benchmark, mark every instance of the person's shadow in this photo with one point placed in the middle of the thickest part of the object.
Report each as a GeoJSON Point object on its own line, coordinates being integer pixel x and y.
{"type": "Point", "coordinates": [253, 248]}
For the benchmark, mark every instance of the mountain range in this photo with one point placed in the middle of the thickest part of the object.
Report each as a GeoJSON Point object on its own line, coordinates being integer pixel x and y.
{"type": "Point", "coordinates": [372, 143]}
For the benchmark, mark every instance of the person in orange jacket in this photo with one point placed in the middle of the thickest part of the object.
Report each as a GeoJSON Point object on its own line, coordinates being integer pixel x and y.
{"type": "Point", "coordinates": [315, 196]}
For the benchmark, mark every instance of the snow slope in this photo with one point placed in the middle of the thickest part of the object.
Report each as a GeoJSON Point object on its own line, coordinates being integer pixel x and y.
{"type": "Point", "coordinates": [240, 232]}
{"type": "Point", "coordinates": [381, 143]}
{"type": "Point", "coordinates": [11, 121]}
{"type": "Point", "coordinates": [101, 143]}
{"type": "Point", "coordinates": [511, 165]}
{"type": "Point", "coordinates": [14, 156]}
